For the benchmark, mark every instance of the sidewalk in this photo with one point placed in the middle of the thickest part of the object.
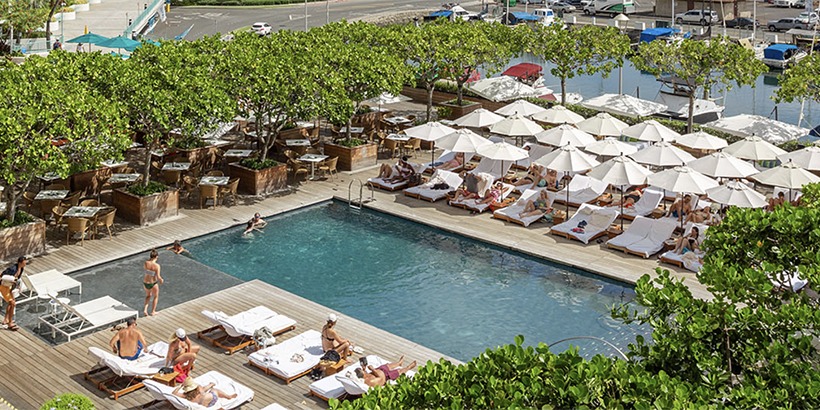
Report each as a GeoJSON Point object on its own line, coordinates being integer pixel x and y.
{"type": "Point", "coordinates": [109, 18]}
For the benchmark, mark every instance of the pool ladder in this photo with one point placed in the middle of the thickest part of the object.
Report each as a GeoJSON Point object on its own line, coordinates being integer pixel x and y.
{"type": "Point", "coordinates": [357, 203]}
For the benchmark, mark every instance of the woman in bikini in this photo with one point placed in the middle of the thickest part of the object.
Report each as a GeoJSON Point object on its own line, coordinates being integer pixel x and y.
{"type": "Point", "coordinates": [379, 376]}
{"type": "Point", "coordinates": [539, 206]}
{"type": "Point", "coordinates": [494, 194]}
{"type": "Point", "coordinates": [332, 341]}
{"type": "Point", "coordinates": [534, 175]}
{"type": "Point", "coordinates": [689, 243]}
{"type": "Point", "coordinates": [456, 162]}
{"type": "Point", "coordinates": [629, 199]}
{"type": "Point", "coordinates": [151, 282]}
{"type": "Point", "coordinates": [204, 396]}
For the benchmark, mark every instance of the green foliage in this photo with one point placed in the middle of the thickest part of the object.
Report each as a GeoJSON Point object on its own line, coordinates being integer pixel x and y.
{"type": "Point", "coordinates": [811, 196]}
{"type": "Point", "coordinates": [21, 218]}
{"type": "Point", "coordinates": [189, 142]}
{"type": "Point", "coordinates": [800, 81]}
{"type": "Point", "coordinates": [152, 187]}
{"type": "Point", "coordinates": [444, 112]}
{"type": "Point", "coordinates": [69, 401]}
{"type": "Point", "coordinates": [257, 164]}
{"type": "Point", "coordinates": [23, 18]}
{"type": "Point", "coordinates": [351, 142]}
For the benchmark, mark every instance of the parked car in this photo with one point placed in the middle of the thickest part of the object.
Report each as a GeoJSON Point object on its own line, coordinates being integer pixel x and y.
{"type": "Point", "coordinates": [563, 7]}
{"type": "Point", "coordinates": [787, 23]}
{"type": "Point", "coordinates": [702, 17]}
{"type": "Point", "coordinates": [579, 4]}
{"type": "Point", "coordinates": [742, 22]}
{"type": "Point", "coordinates": [263, 29]}
{"type": "Point", "coordinates": [784, 3]}
{"type": "Point", "coordinates": [533, 1]}
{"type": "Point", "coordinates": [808, 17]}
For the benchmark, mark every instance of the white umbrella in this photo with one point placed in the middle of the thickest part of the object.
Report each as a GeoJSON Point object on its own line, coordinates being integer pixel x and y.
{"type": "Point", "coordinates": [463, 140]}
{"type": "Point", "coordinates": [479, 118]}
{"type": "Point", "coordinates": [567, 159]}
{"type": "Point", "coordinates": [755, 149]}
{"type": "Point", "coordinates": [602, 124]}
{"type": "Point", "coordinates": [723, 165]}
{"type": "Point", "coordinates": [701, 140]}
{"type": "Point", "coordinates": [386, 98]}
{"type": "Point", "coordinates": [736, 193]}
{"type": "Point", "coordinates": [502, 88]}
{"type": "Point", "coordinates": [651, 131]}
{"type": "Point", "coordinates": [430, 131]}
{"type": "Point", "coordinates": [610, 147]}
{"type": "Point", "coordinates": [623, 104]}
{"type": "Point", "coordinates": [620, 171]}
{"type": "Point", "coordinates": [502, 151]}
{"type": "Point", "coordinates": [745, 125]}
{"type": "Point", "coordinates": [564, 134]}
{"type": "Point", "coordinates": [516, 126]}
{"type": "Point", "coordinates": [807, 158]}
{"type": "Point", "coordinates": [787, 175]}
{"type": "Point", "coordinates": [662, 154]}
{"type": "Point", "coordinates": [558, 115]}
{"type": "Point", "coordinates": [682, 180]}
{"type": "Point", "coordinates": [523, 108]}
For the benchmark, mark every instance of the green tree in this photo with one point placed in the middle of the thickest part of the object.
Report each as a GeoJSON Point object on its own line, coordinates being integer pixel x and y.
{"type": "Point", "coordinates": [582, 50]}
{"type": "Point", "coordinates": [696, 64]}
{"type": "Point", "coordinates": [423, 47]}
{"type": "Point", "coordinates": [801, 81]}
{"type": "Point", "coordinates": [23, 18]}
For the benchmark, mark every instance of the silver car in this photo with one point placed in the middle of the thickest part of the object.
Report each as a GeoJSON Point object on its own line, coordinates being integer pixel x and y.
{"type": "Point", "coordinates": [563, 7]}
{"type": "Point", "coordinates": [787, 23]}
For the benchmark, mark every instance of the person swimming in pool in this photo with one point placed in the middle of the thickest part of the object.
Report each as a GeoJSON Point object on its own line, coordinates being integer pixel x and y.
{"type": "Point", "coordinates": [379, 376]}
{"type": "Point", "coordinates": [151, 281]}
{"type": "Point", "coordinates": [129, 342]}
{"type": "Point", "coordinates": [177, 248]}
{"type": "Point", "coordinates": [206, 396]}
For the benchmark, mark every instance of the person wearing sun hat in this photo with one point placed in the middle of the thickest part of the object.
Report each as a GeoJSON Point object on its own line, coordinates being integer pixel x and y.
{"type": "Point", "coordinates": [181, 352]}
{"type": "Point", "coordinates": [331, 339]}
{"type": "Point", "coordinates": [204, 396]}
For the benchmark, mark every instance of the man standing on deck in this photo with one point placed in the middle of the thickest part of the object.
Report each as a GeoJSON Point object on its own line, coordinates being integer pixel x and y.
{"type": "Point", "coordinates": [129, 342]}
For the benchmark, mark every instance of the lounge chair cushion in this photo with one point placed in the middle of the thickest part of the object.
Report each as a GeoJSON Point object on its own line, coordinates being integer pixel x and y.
{"type": "Point", "coordinates": [222, 382]}
{"type": "Point", "coordinates": [150, 361]}
{"type": "Point", "coordinates": [278, 358]}
{"type": "Point", "coordinates": [331, 387]}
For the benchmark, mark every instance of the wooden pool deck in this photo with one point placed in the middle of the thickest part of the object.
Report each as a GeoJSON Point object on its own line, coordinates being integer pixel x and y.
{"type": "Point", "coordinates": [35, 371]}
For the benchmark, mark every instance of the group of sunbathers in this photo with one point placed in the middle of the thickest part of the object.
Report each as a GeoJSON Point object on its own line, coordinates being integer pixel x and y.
{"type": "Point", "coordinates": [400, 172]}
{"type": "Point", "coordinates": [539, 176]}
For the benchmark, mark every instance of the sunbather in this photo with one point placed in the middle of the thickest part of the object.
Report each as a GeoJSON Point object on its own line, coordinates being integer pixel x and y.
{"type": "Point", "coordinates": [537, 206]}
{"type": "Point", "coordinates": [774, 202]}
{"type": "Point", "coordinates": [151, 281]}
{"type": "Point", "coordinates": [402, 171]}
{"type": "Point", "coordinates": [629, 199]}
{"type": "Point", "coordinates": [181, 352]}
{"type": "Point", "coordinates": [452, 164]}
{"type": "Point", "coordinates": [204, 396]}
{"type": "Point", "coordinates": [129, 342]}
{"type": "Point", "coordinates": [552, 178]}
{"type": "Point", "coordinates": [534, 176]}
{"type": "Point", "coordinates": [331, 339]}
{"type": "Point", "coordinates": [681, 207]}
{"type": "Point", "coordinates": [689, 243]}
{"type": "Point", "coordinates": [493, 194]}
{"type": "Point", "coordinates": [379, 376]}
{"type": "Point", "coordinates": [698, 216]}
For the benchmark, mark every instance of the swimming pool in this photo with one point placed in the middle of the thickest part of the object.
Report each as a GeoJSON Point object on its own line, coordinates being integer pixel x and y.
{"type": "Point", "coordinates": [451, 294]}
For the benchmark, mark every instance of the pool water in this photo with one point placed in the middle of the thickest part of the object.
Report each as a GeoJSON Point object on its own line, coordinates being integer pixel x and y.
{"type": "Point", "coordinates": [451, 294]}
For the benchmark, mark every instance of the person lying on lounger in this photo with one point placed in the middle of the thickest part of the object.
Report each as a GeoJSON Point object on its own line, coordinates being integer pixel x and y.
{"type": "Point", "coordinates": [629, 199]}
{"type": "Point", "coordinates": [402, 171]}
{"type": "Point", "coordinates": [552, 178]}
{"type": "Point", "coordinates": [452, 164]}
{"type": "Point", "coordinates": [534, 175]}
{"type": "Point", "coordinates": [689, 243]}
{"type": "Point", "coordinates": [202, 395]}
{"type": "Point", "coordinates": [774, 202]}
{"type": "Point", "coordinates": [698, 216]}
{"type": "Point", "coordinates": [379, 376]}
{"type": "Point", "coordinates": [680, 208]}
{"type": "Point", "coordinates": [493, 194]}
{"type": "Point", "coordinates": [332, 341]}
{"type": "Point", "coordinates": [537, 206]}
{"type": "Point", "coordinates": [129, 342]}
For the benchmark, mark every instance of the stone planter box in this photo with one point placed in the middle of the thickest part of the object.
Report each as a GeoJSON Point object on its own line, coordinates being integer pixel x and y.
{"type": "Point", "coordinates": [457, 111]}
{"type": "Point", "coordinates": [353, 159]}
{"type": "Point", "coordinates": [28, 239]}
{"type": "Point", "coordinates": [66, 16]}
{"type": "Point", "coordinates": [80, 7]}
{"type": "Point", "coordinates": [261, 182]}
{"type": "Point", "coordinates": [144, 210]}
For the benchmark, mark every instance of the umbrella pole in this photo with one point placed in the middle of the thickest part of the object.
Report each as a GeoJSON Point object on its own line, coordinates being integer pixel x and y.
{"type": "Point", "coordinates": [432, 152]}
{"type": "Point", "coordinates": [622, 208]}
{"type": "Point", "coordinates": [566, 186]}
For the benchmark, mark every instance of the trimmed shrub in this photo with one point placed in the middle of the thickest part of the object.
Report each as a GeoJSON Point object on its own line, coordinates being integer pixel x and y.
{"type": "Point", "coordinates": [69, 401]}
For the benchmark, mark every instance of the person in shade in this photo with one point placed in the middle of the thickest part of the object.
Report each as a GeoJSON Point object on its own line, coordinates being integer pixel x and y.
{"type": "Point", "coordinates": [206, 396]}
{"type": "Point", "coordinates": [379, 376]}
{"type": "Point", "coordinates": [129, 342]}
{"type": "Point", "coordinates": [9, 280]}
{"type": "Point", "coordinates": [151, 281]}
{"type": "Point", "coordinates": [331, 339]}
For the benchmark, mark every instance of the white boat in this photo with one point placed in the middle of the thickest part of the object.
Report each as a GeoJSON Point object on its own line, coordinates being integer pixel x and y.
{"type": "Point", "coordinates": [782, 56]}
{"type": "Point", "coordinates": [674, 96]}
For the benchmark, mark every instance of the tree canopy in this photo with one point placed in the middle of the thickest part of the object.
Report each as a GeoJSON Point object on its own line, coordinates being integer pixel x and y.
{"type": "Point", "coordinates": [801, 81]}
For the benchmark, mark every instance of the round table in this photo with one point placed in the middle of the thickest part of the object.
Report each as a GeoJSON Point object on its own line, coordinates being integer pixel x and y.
{"type": "Point", "coordinates": [55, 306]}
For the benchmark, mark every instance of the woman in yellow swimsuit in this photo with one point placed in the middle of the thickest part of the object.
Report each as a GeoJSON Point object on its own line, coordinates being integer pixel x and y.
{"type": "Point", "coordinates": [151, 282]}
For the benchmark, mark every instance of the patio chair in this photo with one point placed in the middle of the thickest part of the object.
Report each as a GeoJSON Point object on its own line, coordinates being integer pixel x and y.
{"type": "Point", "coordinates": [276, 360]}
{"type": "Point", "coordinates": [412, 146]}
{"type": "Point", "coordinates": [106, 220]}
{"type": "Point", "coordinates": [56, 187]}
{"type": "Point", "coordinates": [207, 192]}
{"type": "Point", "coordinates": [42, 285]}
{"type": "Point", "coordinates": [118, 376]}
{"type": "Point", "coordinates": [329, 166]}
{"type": "Point", "coordinates": [229, 190]}
{"type": "Point", "coordinates": [215, 173]}
{"type": "Point", "coordinates": [171, 177]}
{"type": "Point", "coordinates": [391, 146]}
{"type": "Point", "coordinates": [58, 212]}
{"type": "Point", "coordinates": [89, 202]}
{"type": "Point", "coordinates": [189, 186]}
{"type": "Point", "coordinates": [239, 328]}
{"type": "Point", "coordinates": [28, 199]}
{"type": "Point", "coordinates": [296, 169]}
{"type": "Point", "coordinates": [164, 393]}
{"type": "Point", "coordinates": [156, 168]}
{"type": "Point", "coordinates": [46, 206]}
{"type": "Point", "coordinates": [76, 225]}
{"type": "Point", "coordinates": [73, 199]}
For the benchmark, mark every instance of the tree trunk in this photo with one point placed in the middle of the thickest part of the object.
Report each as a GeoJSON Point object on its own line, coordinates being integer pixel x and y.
{"type": "Point", "coordinates": [429, 87]}
{"type": "Point", "coordinates": [460, 92]}
{"type": "Point", "coordinates": [146, 172]}
{"type": "Point", "coordinates": [51, 11]}
{"type": "Point", "coordinates": [563, 91]}
{"type": "Point", "coordinates": [690, 120]}
{"type": "Point", "coordinates": [261, 144]}
{"type": "Point", "coordinates": [349, 124]}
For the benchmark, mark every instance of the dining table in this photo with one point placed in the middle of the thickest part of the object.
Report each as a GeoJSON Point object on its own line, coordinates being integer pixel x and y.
{"type": "Point", "coordinates": [52, 194]}
{"type": "Point", "coordinates": [297, 142]}
{"type": "Point", "coordinates": [176, 166]}
{"type": "Point", "coordinates": [239, 153]}
{"type": "Point", "coordinates": [313, 159]}
{"type": "Point", "coordinates": [124, 178]}
{"type": "Point", "coordinates": [82, 211]}
{"type": "Point", "coordinates": [214, 180]}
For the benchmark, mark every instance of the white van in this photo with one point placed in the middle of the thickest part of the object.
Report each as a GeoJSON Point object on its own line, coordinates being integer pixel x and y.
{"type": "Point", "coordinates": [546, 16]}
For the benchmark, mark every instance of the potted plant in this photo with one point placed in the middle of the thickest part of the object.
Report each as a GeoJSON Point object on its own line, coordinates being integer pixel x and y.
{"type": "Point", "coordinates": [146, 204]}
{"type": "Point", "coordinates": [353, 153]}
{"type": "Point", "coordinates": [259, 177]}
{"type": "Point", "coordinates": [456, 110]}
{"type": "Point", "coordinates": [22, 235]}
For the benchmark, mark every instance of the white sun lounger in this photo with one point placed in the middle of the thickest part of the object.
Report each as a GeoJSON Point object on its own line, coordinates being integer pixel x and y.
{"type": "Point", "coordinates": [329, 387]}
{"type": "Point", "coordinates": [649, 201]}
{"type": "Point", "coordinates": [46, 283]}
{"type": "Point", "coordinates": [126, 375]}
{"type": "Point", "coordinates": [582, 189]}
{"type": "Point", "coordinates": [283, 360]}
{"type": "Point", "coordinates": [510, 213]}
{"type": "Point", "coordinates": [425, 191]}
{"type": "Point", "coordinates": [444, 157]}
{"type": "Point", "coordinates": [676, 259]}
{"type": "Point", "coordinates": [241, 327]}
{"type": "Point", "coordinates": [498, 169]}
{"type": "Point", "coordinates": [475, 205]}
{"type": "Point", "coordinates": [85, 317]}
{"type": "Point", "coordinates": [636, 231]}
{"type": "Point", "coordinates": [644, 237]}
{"type": "Point", "coordinates": [598, 221]}
{"type": "Point", "coordinates": [386, 185]}
{"type": "Point", "coordinates": [161, 392]}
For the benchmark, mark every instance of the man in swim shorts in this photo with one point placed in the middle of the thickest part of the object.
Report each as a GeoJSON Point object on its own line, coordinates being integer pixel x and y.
{"type": "Point", "coordinates": [129, 342]}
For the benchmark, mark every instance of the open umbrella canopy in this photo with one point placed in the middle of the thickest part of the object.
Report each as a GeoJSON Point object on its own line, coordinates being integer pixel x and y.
{"type": "Point", "coordinates": [701, 140]}
{"type": "Point", "coordinates": [119, 42]}
{"type": "Point", "coordinates": [430, 131]}
{"type": "Point", "coordinates": [807, 158]}
{"type": "Point", "coordinates": [651, 131]}
{"type": "Point", "coordinates": [662, 154]}
{"type": "Point", "coordinates": [386, 98]}
{"type": "Point", "coordinates": [567, 159]}
{"type": "Point", "coordinates": [89, 38]}
{"type": "Point", "coordinates": [463, 140]}
{"type": "Point", "coordinates": [502, 88]}
{"type": "Point", "coordinates": [479, 118]}
{"type": "Point", "coordinates": [558, 114]}
{"type": "Point", "coordinates": [502, 151]}
{"type": "Point", "coordinates": [737, 194]}
{"type": "Point", "coordinates": [516, 126]}
{"type": "Point", "coordinates": [610, 147]}
{"type": "Point", "coordinates": [620, 170]}
{"type": "Point", "coordinates": [745, 125]}
{"type": "Point", "coordinates": [787, 175]}
{"type": "Point", "coordinates": [603, 124]}
{"type": "Point", "coordinates": [623, 104]}
{"type": "Point", "coordinates": [723, 165]}
{"type": "Point", "coordinates": [564, 134]}
{"type": "Point", "coordinates": [682, 180]}
{"type": "Point", "coordinates": [754, 148]}
{"type": "Point", "coordinates": [523, 108]}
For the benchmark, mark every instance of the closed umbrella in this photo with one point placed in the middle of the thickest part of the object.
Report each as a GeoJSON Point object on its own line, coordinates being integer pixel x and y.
{"type": "Point", "coordinates": [651, 131]}
{"type": "Point", "coordinates": [558, 115]}
{"type": "Point", "coordinates": [723, 165]}
{"type": "Point", "coordinates": [430, 131]}
{"type": "Point", "coordinates": [621, 171]}
{"type": "Point", "coordinates": [807, 158]}
{"type": "Point", "coordinates": [502, 151]}
{"type": "Point", "coordinates": [701, 140]}
{"type": "Point", "coordinates": [787, 175]}
{"type": "Point", "coordinates": [682, 180]}
{"type": "Point", "coordinates": [516, 126]}
{"type": "Point", "coordinates": [386, 98]}
{"type": "Point", "coordinates": [754, 148]}
{"type": "Point", "coordinates": [736, 193]}
{"type": "Point", "coordinates": [564, 134]}
{"type": "Point", "coordinates": [523, 108]}
{"type": "Point", "coordinates": [610, 147]}
{"type": "Point", "coordinates": [479, 118]}
{"type": "Point", "coordinates": [603, 124]}
{"type": "Point", "coordinates": [567, 159]}
{"type": "Point", "coordinates": [463, 140]}
{"type": "Point", "coordinates": [662, 154]}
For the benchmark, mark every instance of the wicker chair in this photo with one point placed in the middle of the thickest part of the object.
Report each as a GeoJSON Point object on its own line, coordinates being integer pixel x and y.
{"type": "Point", "coordinates": [77, 225]}
{"type": "Point", "coordinates": [28, 199]}
{"type": "Point", "coordinates": [58, 212]}
{"type": "Point", "coordinates": [56, 187]}
{"type": "Point", "coordinates": [297, 168]}
{"type": "Point", "coordinates": [89, 202]}
{"type": "Point", "coordinates": [207, 192]}
{"type": "Point", "coordinates": [229, 190]}
{"type": "Point", "coordinates": [189, 186]}
{"type": "Point", "coordinates": [73, 199]}
{"type": "Point", "coordinates": [328, 166]}
{"type": "Point", "coordinates": [216, 173]}
{"type": "Point", "coordinates": [171, 177]}
{"type": "Point", "coordinates": [391, 146]}
{"type": "Point", "coordinates": [106, 219]}
{"type": "Point", "coordinates": [412, 146]}
{"type": "Point", "coordinates": [47, 206]}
